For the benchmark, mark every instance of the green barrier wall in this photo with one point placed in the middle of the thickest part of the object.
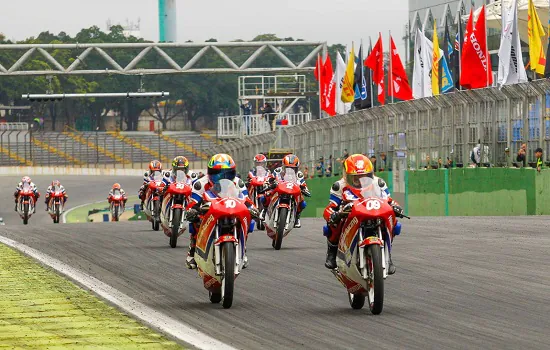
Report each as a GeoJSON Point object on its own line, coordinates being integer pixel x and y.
{"type": "Point", "coordinates": [478, 192]}
{"type": "Point", "coordinates": [320, 192]}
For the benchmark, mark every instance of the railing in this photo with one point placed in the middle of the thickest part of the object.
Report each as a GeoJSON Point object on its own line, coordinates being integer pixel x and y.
{"type": "Point", "coordinates": [277, 85]}
{"type": "Point", "coordinates": [426, 131]}
{"type": "Point", "coordinates": [14, 126]}
{"type": "Point", "coordinates": [249, 125]}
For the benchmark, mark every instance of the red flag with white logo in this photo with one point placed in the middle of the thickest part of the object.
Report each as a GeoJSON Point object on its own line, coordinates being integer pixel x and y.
{"type": "Point", "coordinates": [328, 88]}
{"type": "Point", "coordinates": [476, 63]}
{"type": "Point", "coordinates": [400, 87]}
{"type": "Point", "coordinates": [375, 62]}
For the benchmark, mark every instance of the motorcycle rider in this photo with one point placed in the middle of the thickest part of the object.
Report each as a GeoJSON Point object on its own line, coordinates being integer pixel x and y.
{"type": "Point", "coordinates": [26, 180]}
{"type": "Point", "coordinates": [50, 190]}
{"type": "Point", "coordinates": [356, 166]}
{"type": "Point", "coordinates": [116, 186]}
{"type": "Point", "coordinates": [221, 166]}
{"type": "Point", "coordinates": [179, 163]}
{"type": "Point", "coordinates": [148, 176]}
{"type": "Point", "coordinates": [259, 160]}
{"type": "Point", "coordinates": [290, 161]}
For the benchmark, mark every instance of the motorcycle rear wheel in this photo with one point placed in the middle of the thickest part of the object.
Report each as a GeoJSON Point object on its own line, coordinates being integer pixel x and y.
{"type": "Point", "coordinates": [228, 283]}
{"type": "Point", "coordinates": [375, 254]}
{"type": "Point", "coordinates": [356, 301]}
{"type": "Point", "coordinates": [283, 212]}
{"type": "Point", "coordinates": [176, 221]}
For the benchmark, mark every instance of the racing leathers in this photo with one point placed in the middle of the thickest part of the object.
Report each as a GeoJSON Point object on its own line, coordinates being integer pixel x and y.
{"type": "Point", "coordinates": [50, 190]}
{"type": "Point", "coordinates": [279, 176]}
{"type": "Point", "coordinates": [261, 196]}
{"type": "Point", "coordinates": [147, 177]}
{"type": "Point", "coordinates": [202, 192]}
{"type": "Point", "coordinates": [333, 229]}
{"type": "Point", "coordinates": [20, 187]}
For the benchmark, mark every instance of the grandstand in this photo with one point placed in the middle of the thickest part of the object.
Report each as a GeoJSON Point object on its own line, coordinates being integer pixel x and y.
{"type": "Point", "coordinates": [90, 149]}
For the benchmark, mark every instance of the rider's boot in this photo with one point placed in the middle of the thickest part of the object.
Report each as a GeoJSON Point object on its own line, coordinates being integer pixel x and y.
{"type": "Point", "coordinates": [141, 206]}
{"type": "Point", "coordinates": [332, 249]}
{"type": "Point", "coordinates": [47, 207]}
{"type": "Point", "coordinates": [191, 263]}
{"type": "Point", "coordinates": [297, 223]}
{"type": "Point", "coordinates": [391, 267]}
{"type": "Point", "coordinates": [262, 215]}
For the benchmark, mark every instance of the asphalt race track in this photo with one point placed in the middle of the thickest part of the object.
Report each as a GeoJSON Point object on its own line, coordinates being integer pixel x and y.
{"type": "Point", "coordinates": [460, 282]}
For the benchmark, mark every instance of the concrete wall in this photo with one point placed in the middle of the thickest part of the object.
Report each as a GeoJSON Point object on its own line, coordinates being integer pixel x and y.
{"type": "Point", "coordinates": [478, 192]}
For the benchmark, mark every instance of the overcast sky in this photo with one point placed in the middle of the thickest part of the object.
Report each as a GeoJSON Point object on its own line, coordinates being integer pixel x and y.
{"type": "Point", "coordinates": [335, 21]}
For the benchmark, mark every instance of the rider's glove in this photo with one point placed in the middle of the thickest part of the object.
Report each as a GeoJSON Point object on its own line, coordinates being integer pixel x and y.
{"type": "Point", "coordinates": [192, 215]}
{"type": "Point", "coordinates": [306, 192]}
{"type": "Point", "coordinates": [335, 218]}
{"type": "Point", "coordinates": [397, 210]}
{"type": "Point", "coordinates": [254, 213]}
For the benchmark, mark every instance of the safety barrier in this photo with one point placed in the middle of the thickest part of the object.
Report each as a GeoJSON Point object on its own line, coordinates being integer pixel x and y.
{"type": "Point", "coordinates": [477, 192]}
{"type": "Point", "coordinates": [48, 148]}
{"type": "Point", "coordinates": [94, 146]}
{"type": "Point", "coordinates": [185, 146]}
{"type": "Point", "coordinates": [14, 126]}
{"type": "Point", "coordinates": [14, 156]}
{"type": "Point", "coordinates": [135, 144]}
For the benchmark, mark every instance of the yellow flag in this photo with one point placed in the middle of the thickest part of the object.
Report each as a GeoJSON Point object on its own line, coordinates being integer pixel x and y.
{"type": "Point", "coordinates": [435, 63]}
{"type": "Point", "coordinates": [536, 33]}
{"type": "Point", "coordinates": [348, 93]}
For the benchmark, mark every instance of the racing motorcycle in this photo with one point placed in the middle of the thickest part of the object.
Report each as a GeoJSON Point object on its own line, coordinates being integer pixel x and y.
{"type": "Point", "coordinates": [365, 246]}
{"type": "Point", "coordinates": [281, 213]}
{"type": "Point", "coordinates": [56, 204]}
{"type": "Point", "coordinates": [153, 202]}
{"type": "Point", "coordinates": [221, 241]}
{"type": "Point", "coordinates": [117, 205]}
{"type": "Point", "coordinates": [174, 204]}
{"type": "Point", "coordinates": [26, 201]}
{"type": "Point", "coordinates": [255, 191]}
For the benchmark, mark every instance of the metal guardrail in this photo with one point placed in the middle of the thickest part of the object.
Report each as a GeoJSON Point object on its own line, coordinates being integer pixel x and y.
{"type": "Point", "coordinates": [14, 126]}
{"type": "Point", "coordinates": [427, 129]}
{"type": "Point", "coordinates": [239, 126]}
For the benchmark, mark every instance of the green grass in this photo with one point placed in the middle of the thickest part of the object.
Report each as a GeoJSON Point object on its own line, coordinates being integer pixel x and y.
{"type": "Point", "coordinates": [40, 309]}
{"type": "Point", "coordinates": [81, 214]}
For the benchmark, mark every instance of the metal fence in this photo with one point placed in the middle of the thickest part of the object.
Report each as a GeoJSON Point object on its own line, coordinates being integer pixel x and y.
{"type": "Point", "coordinates": [427, 130]}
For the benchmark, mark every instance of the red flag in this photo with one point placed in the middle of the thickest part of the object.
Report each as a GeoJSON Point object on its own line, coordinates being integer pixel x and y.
{"type": "Point", "coordinates": [476, 63]}
{"type": "Point", "coordinates": [400, 88]}
{"type": "Point", "coordinates": [375, 62]}
{"type": "Point", "coordinates": [328, 88]}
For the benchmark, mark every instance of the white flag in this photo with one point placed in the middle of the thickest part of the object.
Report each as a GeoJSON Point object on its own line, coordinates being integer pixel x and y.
{"type": "Point", "coordinates": [341, 107]}
{"type": "Point", "coordinates": [418, 69]}
{"type": "Point", "coordinates": [423, 61]}
{"type": "Point", "coordinates": [510, 63]}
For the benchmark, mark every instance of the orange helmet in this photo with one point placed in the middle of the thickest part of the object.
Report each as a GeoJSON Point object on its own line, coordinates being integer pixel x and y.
{"type": "Point", "coordinates": [260, 160]}
{"type": "Point", "coordinates": [357, 166]}
{"type": "Point", "coordinates": [116, 186]}
{"type": "Point", "coordinates": [155, 165]}
{"type": "Point", "coordinates": [291, 161]}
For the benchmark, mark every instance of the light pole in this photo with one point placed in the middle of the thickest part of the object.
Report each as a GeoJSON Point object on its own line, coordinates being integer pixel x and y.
{"type": "Point", "coordinates": [97, 146]}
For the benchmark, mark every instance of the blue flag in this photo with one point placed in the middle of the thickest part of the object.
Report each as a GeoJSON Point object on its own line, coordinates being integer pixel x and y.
{"type": "Point", "coordinates": [447, 83]}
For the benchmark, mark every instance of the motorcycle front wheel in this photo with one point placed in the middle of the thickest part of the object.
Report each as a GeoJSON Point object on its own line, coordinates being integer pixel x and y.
{"type": "Point", "coordinates": [176, 221]}
{"type": "Point", "coordinates": [228, 282]}
{"type": "Point", "coordinates": [155, 222]}
{"type": "Point", "coordinates": [283, 213]}
{"type": "Point", "coordinates": [25, 213]}
{"type": "Point", "coordinates": [376, 291]}
{"type": "Point", "coordinates": [115, 214]}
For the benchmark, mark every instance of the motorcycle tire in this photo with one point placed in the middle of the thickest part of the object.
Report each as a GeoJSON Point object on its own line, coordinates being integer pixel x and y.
{"type": "Point", "coordinates": [377, 305]}
{"type": "Point", "coordinates": [156, 222]}
{"type": "Point", "coordinates": [26, 213]}
{"type": "Point", "coordinates": [356, 301]}
{"type": "Point", "coordinates": [56, 217]}
{"type": "Point", "coordinates": [115, 216]}
{"type": "Point", "coordinates": [283, 212]}
{"type": "Point", "coordinates": [228, 283]}
{"type": "Point", "coordinates": [261, 225]}
{"type": "Point", "coordinates": [176, 221]}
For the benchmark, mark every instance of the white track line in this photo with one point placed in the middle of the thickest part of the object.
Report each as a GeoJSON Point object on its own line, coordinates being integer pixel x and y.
{"type": "Point", "coordinates": [131, 306]}
{"type": "Point", "coordinates": [64, 215]}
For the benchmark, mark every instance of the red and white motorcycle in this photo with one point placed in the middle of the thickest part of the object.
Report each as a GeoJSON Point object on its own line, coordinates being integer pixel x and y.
{"type": "Point", "coordinates": [365, 245]}
{"type": "Point", "coordinates": [221, 241]}
{"type": "Point", "coordinates": [153, 200]}
{"type": "Point", "coordinates": [117, 205]}
{"type": "Point", "coordinates": [281, 212]}
{"type": "Point", "coordinates": [26, 201]}
{"type": "Point", "coordinates": [256, 192]}
{"type": "Point", "coordinates": [174, 203]}
{"type": "Point", "coordinates": [56, 204]}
